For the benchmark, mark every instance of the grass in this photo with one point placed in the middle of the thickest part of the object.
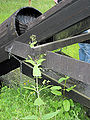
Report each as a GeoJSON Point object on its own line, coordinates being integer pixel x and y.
{"type": "Point", "coordinates": [15, 102]}
{"type": "Point", "coordinates": [8, 7]}
{"type": "Point", "coordinates": [72, 50]}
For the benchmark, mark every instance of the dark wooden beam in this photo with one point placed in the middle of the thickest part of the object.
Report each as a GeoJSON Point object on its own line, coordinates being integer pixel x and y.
{"type": "Point", "coordinates": [79, 94]}
{"type": "Point", "coordinates": [19, 49]}
{"type": "Point", "coordinates": [76, 69]}
{"type": "Point", "coordinates": [61, 43]}
{"type": "Point", "coordinates": [23, 50]}
{"type": "Point", "coordinates": [13, 27]}
{"type": "Point", "coordinates": [58, 18]}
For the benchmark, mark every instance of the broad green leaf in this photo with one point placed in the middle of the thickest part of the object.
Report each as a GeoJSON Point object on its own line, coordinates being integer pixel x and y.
{"type": "Point", "coordinates": [62, 79]}
{"type": "Point", "coordinates": [38, 102]}
{"type": "Point", "coordinates": [29, 88]}
{"type": "Point", "coordinates": [41, 56]}
{"type": "Point", "coordinates": [40, 77]}
{"type": "Point", "coordinates": [33, 44]}
{"type": "Point", "coordinates": [0, 106]}
{"type": "Point", "coordinates": [44, 81]}
{"type": "Point", "coordinates": [55, 92]}
{"type": "Point", "coordinates": [56, 88]}
{"type": "Point", "coordinates": [33, 117]}
{"type": "Point", "coordinates": [40, 61]}
{"type": "Point", "coordinates": [48, 81]}
{"type": "Point", "coordinates": [36, 71]}
{"type": "Point", "coordinates": [71, 103]}
{"type": "Point", "coordinates": [30, 61]}
{"type": "Point", "coordinates": [67, 116]}
{"type": "Point", "coordinates": [61, 110]}
{"type": "Point", "coordinates": [67, 78]}
{"type": "Point", "coordinates": [50, 115]}
{"type": "Point", "coordinates": [68, 89]}
{"type": "Point", "coordinates": [66, 105]}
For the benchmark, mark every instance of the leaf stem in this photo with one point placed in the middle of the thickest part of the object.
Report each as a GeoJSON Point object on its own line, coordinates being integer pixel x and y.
{"type": "Point", "coordinates": [64, 88]}
{"type": "Point", "coordinates": [37, 86]}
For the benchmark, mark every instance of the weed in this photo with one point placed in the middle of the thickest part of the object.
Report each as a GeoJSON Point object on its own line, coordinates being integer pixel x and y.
{"type": "Point", "coordinates": [65, 104]}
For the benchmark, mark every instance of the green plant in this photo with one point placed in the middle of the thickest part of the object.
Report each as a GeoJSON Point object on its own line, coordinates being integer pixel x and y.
{"type": "Point", "coordinates": [57, 90]}
{"type": "Point", "coordinates": [37, 74]}
{"type": "Point", "coordinates": [13, 105]}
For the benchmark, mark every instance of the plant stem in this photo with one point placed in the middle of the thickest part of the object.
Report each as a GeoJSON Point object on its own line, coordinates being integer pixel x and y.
{"type": "Point", "coordinates": [38, 95]}
{"type": "Point", "coordinates": [37, 86]}
{"type": "Point", "coordinates": [64, 88]}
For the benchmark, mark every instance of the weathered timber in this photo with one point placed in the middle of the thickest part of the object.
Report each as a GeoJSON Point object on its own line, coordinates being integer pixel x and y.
{"type": "Point", "coordinates": [14, 26]}
{"type": "Point", "coordinates": [76, 69]}
{"type": "Point", "coordinates": [59, 18]}
{"type": "Point", "coordinates": [74, 29]}
{"type": "Point", "coordinates": [10, 29]}
{"type": "Point", "coordinates": [23, 50]}
{"type": "Point", "coordinates": [19, 49]}
{"type": "Point", "coordinates": [81, 93]}
{"type": "Point", "coordinates": [60, 43]}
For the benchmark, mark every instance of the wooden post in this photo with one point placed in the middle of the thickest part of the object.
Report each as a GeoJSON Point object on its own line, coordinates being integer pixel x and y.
{"type": "Point", "coordinates": [29, 2]}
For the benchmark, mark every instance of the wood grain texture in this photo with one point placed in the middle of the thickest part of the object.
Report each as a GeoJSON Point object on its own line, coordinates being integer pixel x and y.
{"type": "Point", "coordinates": [64, 16]}
{"type": "Point", "coordinates": [76, 69]}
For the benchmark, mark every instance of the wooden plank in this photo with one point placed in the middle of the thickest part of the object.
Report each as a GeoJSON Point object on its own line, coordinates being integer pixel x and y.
{"type": "Point", "coordinates": [11, 29]}
{"type": "Point", "coordinates": [51, 12]}
{"type": "Point", "coordinates": [20, 49]}
{"type": "Point", "coordinates": [7, 34]}
{"type": "Point", "coordinates": [73, 30]}
{"type": "Point", "coordinates": [50, 24]}
{"type": "Point", "coordinates": [79, 94]}
{"type": "Point", "coordinates": [76, 69]}
{"type": "Point", "coordinates": [61, 43]}
{"type": "Point", "coordinates": [58, 21]}
{"type": "Point", "coordinates": [23, 50]}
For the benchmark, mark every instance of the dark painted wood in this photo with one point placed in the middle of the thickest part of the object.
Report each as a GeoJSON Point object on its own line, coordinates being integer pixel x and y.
{"type": "Point", "coordinates": [76, 69]}
{"type": "Point", "coordinates": [73, 30]}
{"type": "Point", "coordinates": [79, 94]}
{"type": "Point", "coordinates": [61, 19]}
{"type": "Point", "coordinates": [7, 33]}
{"type": "Point", "coordinates": [23, 50]}
{"type": "Point", "coordinates": [68, 13]}
{"type": "Point", "coordinates": [20, 49]}
{"type": "Point", "coordinates": [61, 43]}
{"type": "Point", "coordinates": [51, 12]}
{"type": "Point", "coordinates": [9, 28]}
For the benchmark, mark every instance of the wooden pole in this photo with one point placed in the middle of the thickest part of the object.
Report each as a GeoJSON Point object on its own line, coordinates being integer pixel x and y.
{"type": "Point", "coordinates": [29, 2]}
